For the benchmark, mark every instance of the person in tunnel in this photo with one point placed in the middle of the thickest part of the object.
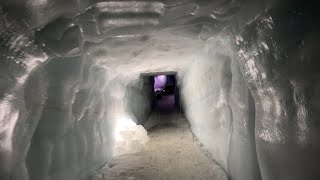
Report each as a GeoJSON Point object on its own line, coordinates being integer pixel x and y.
{"type": "Point", "coordinates": [164, 85]}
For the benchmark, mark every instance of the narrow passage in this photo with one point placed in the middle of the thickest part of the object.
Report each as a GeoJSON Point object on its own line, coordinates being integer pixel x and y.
{"type": "Point", "coordinates": [172, 153]}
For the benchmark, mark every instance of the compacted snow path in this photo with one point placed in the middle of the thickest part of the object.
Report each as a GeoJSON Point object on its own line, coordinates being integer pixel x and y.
{"type": "Point", "coordinates": [172, 153]}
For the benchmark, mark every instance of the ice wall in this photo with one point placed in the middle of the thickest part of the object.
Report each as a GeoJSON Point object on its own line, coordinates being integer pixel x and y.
{"type": "Point", "coordinates": [19, 113]}
{"type": "Point", "coordinates": [220, 109]}
{"type": "Point", "coordinates": [82, 118]}
{"type": "Point", "coordinates": [74, 134]}
{"type": "Point", "coordinates": [140, 98]}
{"type": "Point", "coordinates": [274, 45]}
{"type": "Point", "coordinates": [278, 60]}
{"type": "Point", "coordinates": [56, 117]}
{"type": "Point", "coordinates": [280, 63]}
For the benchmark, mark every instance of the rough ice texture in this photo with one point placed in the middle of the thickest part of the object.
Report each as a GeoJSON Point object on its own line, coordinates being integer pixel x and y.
{"type": "Point", "coordinates": [73, 134]}
{"type": "Point", "coordinates": [18, 113]}
{"type": "Point", "coordinates": [280, 65]}
{"type": "Point", "coordinates": [82, 99]}
{"type": "Point", "coordinates": [54, 105]}
{"type": "Point", "coordinates": [220, 109]}
{"type": "Point", "coordinates": [76, 129]}
{"type": "Point", "coordinates": [140, 98]}
{"type": "Point", "coordinates": [130, 135]}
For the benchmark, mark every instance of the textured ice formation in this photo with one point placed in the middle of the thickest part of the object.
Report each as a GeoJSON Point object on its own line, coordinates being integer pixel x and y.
{"type": "Point", "coordinates": [220, 108]}
{"type": "Point", "coordinates": [248, 73]}
{"type": "Point", "coordinates": [129, 137]}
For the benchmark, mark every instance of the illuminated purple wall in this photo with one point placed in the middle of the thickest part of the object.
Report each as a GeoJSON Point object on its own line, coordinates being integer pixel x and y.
{"type": "Point", "coordinates": [159, 81]}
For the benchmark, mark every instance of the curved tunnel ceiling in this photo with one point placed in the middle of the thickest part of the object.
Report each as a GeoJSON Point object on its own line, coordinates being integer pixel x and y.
{"type": "Point", "coordinates": [67, 27]}
{"type": "Point", "coordinates": [148, 31]}
{"type": "Point", "coordinates": [272, 42]}
{"type": "Point", "coordinates": [70, 28]}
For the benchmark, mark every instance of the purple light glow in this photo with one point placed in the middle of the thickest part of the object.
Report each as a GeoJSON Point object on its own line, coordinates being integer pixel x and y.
{"type": "Point", "coordinates": [159, 82]}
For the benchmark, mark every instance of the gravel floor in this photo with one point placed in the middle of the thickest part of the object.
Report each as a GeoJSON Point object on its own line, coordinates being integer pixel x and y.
{"type": "Point", "coordinates": [172, 153]}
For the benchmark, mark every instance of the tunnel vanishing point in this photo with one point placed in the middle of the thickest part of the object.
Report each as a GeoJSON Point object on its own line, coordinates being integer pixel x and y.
{"type": "Point", "coordinates": [248, 74]}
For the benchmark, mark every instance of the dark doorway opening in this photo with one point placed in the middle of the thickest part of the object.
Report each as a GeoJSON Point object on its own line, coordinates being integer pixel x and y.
{"type": "Point", "coordinates": [164, 85]}
{"type": "Point", "coordinates": [166, 101]}
{"type": "Point", "coordinates": [166, 93]}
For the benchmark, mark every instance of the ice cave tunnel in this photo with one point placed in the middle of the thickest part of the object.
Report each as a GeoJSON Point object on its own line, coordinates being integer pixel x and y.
{"type": "Point", "coordinates": [159, 90]}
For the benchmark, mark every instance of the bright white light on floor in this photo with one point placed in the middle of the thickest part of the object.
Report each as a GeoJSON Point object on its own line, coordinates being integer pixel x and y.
{"type": "Point", "coordinates": [123, 125]}
{"type": "Point", "coordinates": [129, 137]}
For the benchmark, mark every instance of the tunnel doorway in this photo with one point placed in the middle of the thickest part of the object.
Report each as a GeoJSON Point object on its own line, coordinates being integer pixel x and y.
{"type": "Point", "coordinates": [164, 91]}
{"type": "Point", "coordinates": [166, 98]}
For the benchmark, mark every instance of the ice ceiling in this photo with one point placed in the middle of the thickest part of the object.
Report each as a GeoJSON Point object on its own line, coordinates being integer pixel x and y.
{"type": "Point", "coordinates": [68, 67]}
